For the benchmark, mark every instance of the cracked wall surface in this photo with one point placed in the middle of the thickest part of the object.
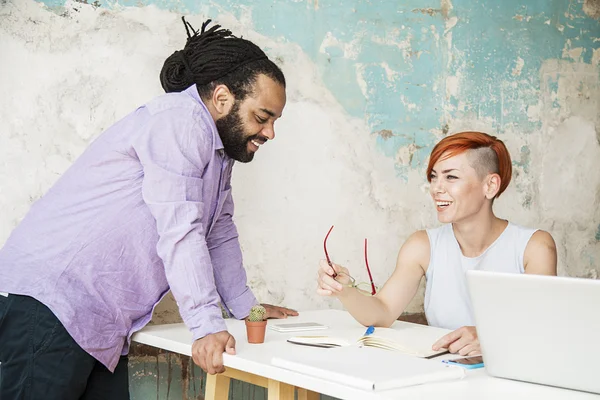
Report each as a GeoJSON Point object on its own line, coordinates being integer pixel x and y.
{"type": "Point", "coordinates": [372, 87]}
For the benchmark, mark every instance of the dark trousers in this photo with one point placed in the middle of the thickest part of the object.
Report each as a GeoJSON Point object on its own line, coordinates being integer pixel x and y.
{"type": "Point", "coordinates": [40, 360]}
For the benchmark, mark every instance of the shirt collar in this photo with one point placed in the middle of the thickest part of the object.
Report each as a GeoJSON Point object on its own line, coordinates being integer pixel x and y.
{"type": "Point", "coordinates": [192, 91]}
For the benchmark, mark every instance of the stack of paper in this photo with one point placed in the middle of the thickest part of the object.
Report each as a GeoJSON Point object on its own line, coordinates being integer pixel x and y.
{"type": "Point", "coordinates": [368, 368]}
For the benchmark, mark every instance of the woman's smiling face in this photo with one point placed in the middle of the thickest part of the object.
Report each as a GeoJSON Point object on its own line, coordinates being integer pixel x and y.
{"type": "Point", "coordinates": [457, 189]}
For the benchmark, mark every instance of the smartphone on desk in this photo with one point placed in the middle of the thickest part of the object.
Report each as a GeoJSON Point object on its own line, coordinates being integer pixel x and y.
{"type": "Point", "coordinates": [466, 362]}
{"type": "Point", "coordinates": [297, 326]}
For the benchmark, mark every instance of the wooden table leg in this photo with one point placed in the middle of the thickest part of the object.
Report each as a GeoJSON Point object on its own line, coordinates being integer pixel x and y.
{"type": "Point", "coordinates": [246, 377]}
{"type": "Point", "coordinates": [280, 391]}
{"type": "Point", "coordinates": [217, 387]}
{"type": "Point", "coordinates": [305, 394]}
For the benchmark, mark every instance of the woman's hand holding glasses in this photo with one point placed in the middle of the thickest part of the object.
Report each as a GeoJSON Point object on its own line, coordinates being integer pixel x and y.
{"type": "Point", "coordinates": [333, 278]}
{"type": "Point", "coordinates": [327, 284]}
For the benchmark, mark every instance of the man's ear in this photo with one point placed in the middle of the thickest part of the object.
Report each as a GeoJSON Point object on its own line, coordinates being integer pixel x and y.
{"type": "Point", "coordinates": [491, 185]}
{"type": "Point", "coordinates": [222, 100]}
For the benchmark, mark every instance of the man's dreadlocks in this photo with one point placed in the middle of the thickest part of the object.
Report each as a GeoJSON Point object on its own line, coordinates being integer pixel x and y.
{"type": "Point", "coordinates": [213, 57]}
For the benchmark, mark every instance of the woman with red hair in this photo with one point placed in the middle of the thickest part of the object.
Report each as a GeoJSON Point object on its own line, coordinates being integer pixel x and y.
{"type": "Point", "coordinates": [467, 172]}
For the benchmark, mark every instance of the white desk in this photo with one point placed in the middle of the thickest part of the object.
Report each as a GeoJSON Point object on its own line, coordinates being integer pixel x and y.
{"type": "Point", "coordinates": [252, 364]}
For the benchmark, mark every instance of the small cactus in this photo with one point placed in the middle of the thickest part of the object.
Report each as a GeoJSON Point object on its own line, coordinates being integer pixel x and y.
{"type": "Point", "coordinates": [257, 313]}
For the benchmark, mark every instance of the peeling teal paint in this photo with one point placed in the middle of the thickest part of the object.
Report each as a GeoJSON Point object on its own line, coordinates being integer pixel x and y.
{"type": "Point", "coordinates": [598, 233]}
{"type": "Point", "coordinates": [495, 34]}
{"type": "Point", "coordinates": [400, 54]}
{"type": "Point", "coordinates": [523, 162]}
{"type": "Point", "coordinates": [53, 3]}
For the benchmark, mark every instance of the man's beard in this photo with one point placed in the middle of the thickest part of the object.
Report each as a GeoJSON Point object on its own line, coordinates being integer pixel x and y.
{"type": "Point", "coordinates": [235, 141]}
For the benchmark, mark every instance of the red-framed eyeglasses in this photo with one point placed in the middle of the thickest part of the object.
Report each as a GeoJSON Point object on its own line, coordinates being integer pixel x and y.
{"type": "Point", "coordinates": [353, 281]}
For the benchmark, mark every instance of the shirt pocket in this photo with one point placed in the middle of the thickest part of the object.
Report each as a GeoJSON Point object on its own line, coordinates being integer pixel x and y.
{"type": "Point", "coordinates": [162, 186]}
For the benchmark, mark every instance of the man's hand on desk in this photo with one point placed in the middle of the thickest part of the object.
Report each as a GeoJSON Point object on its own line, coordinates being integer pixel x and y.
{"type": "Point", "coordinates": [207, 352]}
{"type": "Point", "coordinates": [463, 341]}
{"type": "Point", "coordinates": [279, 312]}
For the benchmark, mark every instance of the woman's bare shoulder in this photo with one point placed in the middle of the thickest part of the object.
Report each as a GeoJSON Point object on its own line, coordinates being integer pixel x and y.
{"type": "Point", "coordinates": [540, 254]}
{"type": "Point", "coordinates": [416, 249]}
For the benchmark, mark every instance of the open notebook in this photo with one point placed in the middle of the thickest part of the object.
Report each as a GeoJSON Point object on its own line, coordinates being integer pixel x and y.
{"type": "Point", "coordinates": [367, 368]}
{"type": "Point", "coordinates": [410, 339]}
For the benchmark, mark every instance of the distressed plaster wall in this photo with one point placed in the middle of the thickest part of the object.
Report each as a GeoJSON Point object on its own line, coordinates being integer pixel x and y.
{"type": "Point", "coordinates": [372, 86]}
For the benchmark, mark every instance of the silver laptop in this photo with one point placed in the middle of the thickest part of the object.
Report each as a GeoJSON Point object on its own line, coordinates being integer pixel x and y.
{"type": "Point", "coordinates": [539, 329]}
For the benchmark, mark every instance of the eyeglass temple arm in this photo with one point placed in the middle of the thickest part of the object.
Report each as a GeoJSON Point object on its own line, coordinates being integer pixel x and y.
{"type": "Point", "coordinates": [327, 254]}
{"type": "Point", "coordinates": [373, 291]}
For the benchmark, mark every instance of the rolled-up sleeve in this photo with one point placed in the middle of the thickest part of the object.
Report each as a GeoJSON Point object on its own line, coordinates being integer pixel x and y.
{"type": "Point", "coordinates": [173, 152]}
{"type": "Point", "coordinates": [226, 255]}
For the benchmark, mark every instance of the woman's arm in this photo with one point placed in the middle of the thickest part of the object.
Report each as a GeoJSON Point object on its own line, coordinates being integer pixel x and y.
{"type": "Point", "coordinates": [540, 254]}
{"type": "Point", "coordinates": [387, 305]}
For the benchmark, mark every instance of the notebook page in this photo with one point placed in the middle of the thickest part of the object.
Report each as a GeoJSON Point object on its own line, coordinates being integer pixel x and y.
{"type": "Point", "coordinates": [410, 339]}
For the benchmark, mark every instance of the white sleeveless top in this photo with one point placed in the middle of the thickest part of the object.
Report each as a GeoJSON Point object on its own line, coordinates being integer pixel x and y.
{"type": "Point", "coordinates": [447, 301]}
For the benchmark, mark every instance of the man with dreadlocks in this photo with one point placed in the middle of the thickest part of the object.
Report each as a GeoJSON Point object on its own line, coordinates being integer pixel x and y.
{"type": "Point", "coordinates": [146, 208]}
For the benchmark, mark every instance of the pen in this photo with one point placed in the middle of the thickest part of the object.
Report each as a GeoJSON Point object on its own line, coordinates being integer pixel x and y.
{"type": "Point", "coordinates": [370, 330]}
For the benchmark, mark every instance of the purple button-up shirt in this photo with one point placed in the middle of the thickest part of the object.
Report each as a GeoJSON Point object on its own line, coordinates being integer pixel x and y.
{"type": "Point", "coordinates": [145, 208]}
